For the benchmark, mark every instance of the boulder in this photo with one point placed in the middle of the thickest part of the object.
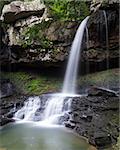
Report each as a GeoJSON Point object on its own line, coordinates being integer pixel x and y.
{"type": "Point", "coordinates": [5, 120]}
{"type": "Point", "coordinates": [103, 140]}
{"type": "Point", "coordinates": [99, 91]}
{"type": "Point", "coordinates": [18, 10]}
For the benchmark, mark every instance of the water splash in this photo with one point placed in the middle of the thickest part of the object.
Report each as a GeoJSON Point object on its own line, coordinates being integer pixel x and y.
{"type": "Point", "coordinates": [27, 112]}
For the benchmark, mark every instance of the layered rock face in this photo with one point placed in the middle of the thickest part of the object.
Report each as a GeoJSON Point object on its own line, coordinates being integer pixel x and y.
{"type": "Point", "coordinates": [96, 117]}
{"type": "Point", "coordinates": [105, 17]}
{"type": "Point", "coordinates": [33, 36]}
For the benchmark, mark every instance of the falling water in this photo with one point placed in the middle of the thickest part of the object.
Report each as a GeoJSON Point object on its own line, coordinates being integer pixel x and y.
{"type": "Point", "coordinates": [54, 109]}
{"type": "Point", "coordinates": [87, 38]}
{"type": "Point", "coordinates": [27, 112]}
{"type": "Point", "coordinates": [87, 46]}
{"type": "Point", "coordinates": [107, 42]}
{"type": "Point", "coordinates": [55, 105]}
{"type": "Point", "coordinates": [72, 67]}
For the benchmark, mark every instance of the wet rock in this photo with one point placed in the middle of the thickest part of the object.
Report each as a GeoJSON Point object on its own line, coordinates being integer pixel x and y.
{"type": "Point", "coordinates": [8, 107]}
{"type": "Point", "coordinates": [97, 28]}
{"type": "Point", "coordinates": [97, 4]}
{"type": "Point", "coordinates": [91, 116]}
{"type": "Point", "coordinates": [64, 118]}
{"type": "Point", "coordinates": [69, 125]}
{"type": "Point", "coordinates": [86, 118]}
{"type": "Point", "coordinates": [99, 91]}
{"type": "Point", "coordinates": [5, 120]}
{"type": "Point", "coordinates": [102, 139]}
{"type": "Point", "coordinates": [7, 88]}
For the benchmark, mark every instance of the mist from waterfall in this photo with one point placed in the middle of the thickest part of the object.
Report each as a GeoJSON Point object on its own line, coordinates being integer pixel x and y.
{"type": "Point", "coordinates": [69, 85]}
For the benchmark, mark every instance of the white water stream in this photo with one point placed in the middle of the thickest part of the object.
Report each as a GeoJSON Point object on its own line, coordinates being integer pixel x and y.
{"type": "Point", "coordinates": [27, 112]}
{"type": "Point", "coordinates": [69, 84]}
{"type": "Point", "coordinates": [107, 43]}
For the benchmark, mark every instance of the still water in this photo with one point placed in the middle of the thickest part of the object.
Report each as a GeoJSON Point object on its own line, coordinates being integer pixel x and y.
{"type": "Point", "coordinates": [31, 137]}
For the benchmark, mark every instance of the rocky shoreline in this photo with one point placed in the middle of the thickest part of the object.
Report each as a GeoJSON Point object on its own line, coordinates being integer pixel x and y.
{"type": "Point", "coordinates": [96, 117]}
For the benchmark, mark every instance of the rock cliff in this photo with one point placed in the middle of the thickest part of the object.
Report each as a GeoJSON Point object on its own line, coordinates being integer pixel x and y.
{"type": "Point", "coordinates": [31, 34]}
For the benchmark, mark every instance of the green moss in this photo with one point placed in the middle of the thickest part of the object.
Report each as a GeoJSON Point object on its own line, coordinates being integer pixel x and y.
{"type": "Point", "coordinates": [30, 83]}
{"type": "Point", "coordinates": [101, 78]}
{"type": "Point", "coordinates": [67, 9]}
{"type": "Point", "coordinates": [27, 83]}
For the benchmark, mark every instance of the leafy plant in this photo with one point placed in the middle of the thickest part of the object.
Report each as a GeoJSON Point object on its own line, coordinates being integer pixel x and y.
{"type": "Point", "coordinates": [36, 34]}
{"type": "Point", "coordinates": [67, 10]}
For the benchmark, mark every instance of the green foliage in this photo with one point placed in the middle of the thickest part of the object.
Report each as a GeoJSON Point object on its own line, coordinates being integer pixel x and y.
{"type": "Point", "coordinates": [100, 79]}
{"type": "Point", "coordinates": [36, 34]}
{"type": "Point", "coordinates": [27, 83]}
{"type": "Point", "coordinates": [67, 10]}
{"type": "Point", "coordinates": [38, 84]}
{"type": "Point", "coordinates": [117, 146]}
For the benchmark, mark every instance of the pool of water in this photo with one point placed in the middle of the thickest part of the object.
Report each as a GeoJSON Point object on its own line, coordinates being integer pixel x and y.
{"type": "Point", "coordinates": [28, 136]}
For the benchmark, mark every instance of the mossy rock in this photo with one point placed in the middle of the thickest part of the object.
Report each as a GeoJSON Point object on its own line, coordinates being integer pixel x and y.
{"type": "Point", "coordinates": [36, 84]}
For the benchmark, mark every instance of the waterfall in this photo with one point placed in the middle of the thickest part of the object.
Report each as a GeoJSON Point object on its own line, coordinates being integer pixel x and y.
{"type": "Point", "coordinates": [87, 46]}
{"type": "Point", "coordinates": [56, 106]}
{"type": "Point", "coordinates": [56, 103]}
{"type": "Point", "coordinates": [107, 42]}
{"type": "Point", "coordinates": [54, 109]}
{"type": "Point", "coordinates": [106, 35]}
{"type": "Point", "coordinates": [27, 112]}
{"type": "Point", "coordinates": [72, 66]}
{"type": "Point", "coordinates": [87, 38]}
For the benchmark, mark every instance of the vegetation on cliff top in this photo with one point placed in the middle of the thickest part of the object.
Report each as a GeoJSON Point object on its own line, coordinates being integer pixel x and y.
{"type": "Point", "coordinates": [60, 11]}
{"type": "Point", "coordinates": [67, 10]}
